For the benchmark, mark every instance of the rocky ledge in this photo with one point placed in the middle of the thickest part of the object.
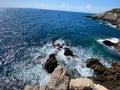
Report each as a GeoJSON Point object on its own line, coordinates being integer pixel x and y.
{"type": "Point", "coordinates": [112, 16]}
{"type": "Point", "coordinates": [106, 76]}
{"type": "Point", "coordinates": [60, 80]}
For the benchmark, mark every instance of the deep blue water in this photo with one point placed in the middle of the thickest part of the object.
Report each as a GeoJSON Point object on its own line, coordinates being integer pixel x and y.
{"type": "Point", "coordinates": [24, 31]}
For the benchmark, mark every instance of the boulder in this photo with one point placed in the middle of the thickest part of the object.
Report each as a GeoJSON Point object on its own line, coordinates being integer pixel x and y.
{"type": "Point", "coordinates": [29, 87]}
{"type": "Point", "coordinates": [51, 63]}
{"type": "Point", "coordinates": [108, 43]}
{"type": "Point", "coordinates": [84, 84]}
{"type": "Point", "coordinates": [68, 52]}
{"type": "Point", "coordinates": [117, 46]}
{"type": "Point", "coordinates": [73, 73]}
{"type": "Point", "coordinates": [81, 84]}
{"type": "Point", "coordinates": [58, 80]}
{"type": "Point", "coordinates": [109, 77]}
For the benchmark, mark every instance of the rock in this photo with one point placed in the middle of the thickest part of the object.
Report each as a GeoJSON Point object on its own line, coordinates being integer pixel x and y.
{"type": "Point", "coordinates": [118, 26]}
{"type": "Point", "coordinates": [28, 87]}
{"type": "Point", "coordinates": [81, 84]}
{"type": "Point", "coordinates": [93, 63]}
{"type": "Point", "coordinates": [58, 80]}
{"type": "Point", "coordinates": [68, 52]}
{"type": "Point", "coordinates": [109, 77]}
{"type": "Point", "coordinates": [51, 63]}
{"type": "Point", "coordinates": [108, 43]}
{"type": "Point", "coordinates": [84, 84]}
{"type": "Point", "coordinates": [110, 16]}
{"type": "Point", "coordinates": [73, 73]}
{"type": "Point", "coordinates": [117, 46]}
{"type": "Point", "coordinates": [99, 87]}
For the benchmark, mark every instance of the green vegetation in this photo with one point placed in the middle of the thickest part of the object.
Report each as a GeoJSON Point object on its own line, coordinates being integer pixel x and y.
{"type": "Point", "coordinates": [116, 10]}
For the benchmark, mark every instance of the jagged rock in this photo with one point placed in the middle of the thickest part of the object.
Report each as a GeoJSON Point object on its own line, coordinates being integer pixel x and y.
{"type": "Point", "coordinates": [110, 76]}
{"type": "Point", "coordinates": [110, 16]}
{"type": "Point", "coordinates": [68, 52]}
{"type": "Point", "coordinates": [51, 63]}
{"type": "Point", "coordinates": [108, 43]}
{"type": "Point", "coordinates": [57, 81]}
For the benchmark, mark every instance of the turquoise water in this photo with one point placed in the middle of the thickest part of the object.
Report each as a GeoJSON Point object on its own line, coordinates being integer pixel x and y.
{"type": "Point", "coordinates": [26, 33]}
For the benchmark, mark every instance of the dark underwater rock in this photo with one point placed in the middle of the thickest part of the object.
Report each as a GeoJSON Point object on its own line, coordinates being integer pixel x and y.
{"type": "Point", "coordinates": [51, 63]}
{"type": "Point", "coordinates": [108, 43]}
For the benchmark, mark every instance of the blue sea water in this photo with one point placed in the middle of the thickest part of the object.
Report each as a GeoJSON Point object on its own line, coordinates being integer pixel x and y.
{"type": "Point", "coordinates": [26, 33]}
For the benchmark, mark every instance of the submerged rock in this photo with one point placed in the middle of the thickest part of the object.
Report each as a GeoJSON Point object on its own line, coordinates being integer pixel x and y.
{"type": "Point", "coordinates": [51, 63]}
{"type": "Point", "coordinates": [57, 81]}
{"type": "Point", "coordinates": [109, 77]}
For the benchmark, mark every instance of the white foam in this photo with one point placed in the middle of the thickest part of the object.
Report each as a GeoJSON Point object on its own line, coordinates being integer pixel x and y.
{"type": "Point", "coordinates": [36, 74]}
{"type": "Point", "coordinates": [113, 40]}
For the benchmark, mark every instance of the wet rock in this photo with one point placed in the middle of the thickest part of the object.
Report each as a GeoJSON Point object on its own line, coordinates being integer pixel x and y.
{"type": "Point", "coordinates": [68, 52]}
{"type": "Point", "coordinates": [51, 63]}
{"type": "Point", "coordinates": [108, 43]}
{"type": "Point", "coordinates": [117, 46]}
{"type": "Point", "coordinates": [73, 73]}
{"type": "Point", "coordinates": [109, 77]}
{"type": "Point", "coordinates": [57, 81]}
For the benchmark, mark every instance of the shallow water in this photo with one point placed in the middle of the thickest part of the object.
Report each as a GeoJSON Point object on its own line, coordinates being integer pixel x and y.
{"type": "Point", "coordinates": [27, 33]}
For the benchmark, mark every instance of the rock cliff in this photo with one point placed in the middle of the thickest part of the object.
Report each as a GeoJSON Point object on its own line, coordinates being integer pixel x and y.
{"type": "Point", "coordinates": [112, 16]}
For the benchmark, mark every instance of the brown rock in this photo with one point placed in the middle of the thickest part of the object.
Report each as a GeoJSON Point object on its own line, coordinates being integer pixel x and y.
{"type": "Point", "coordinates": [117, 46]}
{"type": "Point", "coordinates": [28, 87]}
{"type": "Point", "coordinates": [50, 64]}
{"type": "Point", "coordinates": [58, 80]}
{"type": "Point", "coordinates": [109, 77]}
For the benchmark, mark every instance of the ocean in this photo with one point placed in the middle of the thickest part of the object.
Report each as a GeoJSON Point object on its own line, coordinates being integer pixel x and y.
{"type": "Point", "coordinates": [25, 34]}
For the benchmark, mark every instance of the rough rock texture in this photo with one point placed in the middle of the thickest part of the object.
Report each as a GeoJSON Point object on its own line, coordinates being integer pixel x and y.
{"type": "Point", "coordinates": [84, 84]}
{"type": "Point", "coordinates": [117, 46]}
{"type": "Point", "coordinates": [50, 64]}
{"type": "Point", "coordinates": [73, 73]}
{"type": "Point", "coordinates": [28, 87]}
{"type": "Point", "coordinates": [109, 77]}
{"type": "Point", "coordinates": [112, 16]}
{"type": "Point", "coordinates": [58, 80]}
{"type": "Point", "coordinates": [68, 52]}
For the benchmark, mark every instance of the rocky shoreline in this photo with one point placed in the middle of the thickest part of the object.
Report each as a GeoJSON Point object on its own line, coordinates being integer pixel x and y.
{"type": "Point", "coordinates": [104, 78]}
{"type": "Point", "coordinates": [112, 16]}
